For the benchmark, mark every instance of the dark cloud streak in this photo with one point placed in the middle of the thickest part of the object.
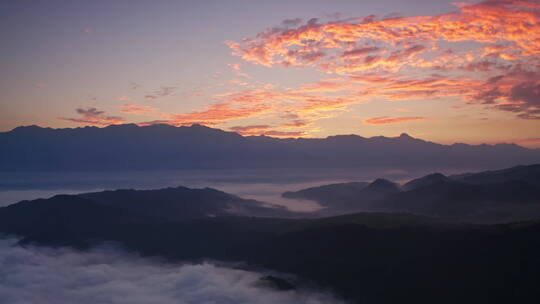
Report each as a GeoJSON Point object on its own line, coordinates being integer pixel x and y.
{"type": "Point", "coordinates": [95, 117]}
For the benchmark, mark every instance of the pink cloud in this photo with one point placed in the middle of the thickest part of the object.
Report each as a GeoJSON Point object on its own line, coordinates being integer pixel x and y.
{"type": "Point", "coordinates": [135, 109]}
{"type": "Point", "coordinates": [391, 120]}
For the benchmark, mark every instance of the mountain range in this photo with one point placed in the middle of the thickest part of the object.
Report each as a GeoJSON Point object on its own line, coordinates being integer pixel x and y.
{"type": "Point", "coordinates": [156, 147]}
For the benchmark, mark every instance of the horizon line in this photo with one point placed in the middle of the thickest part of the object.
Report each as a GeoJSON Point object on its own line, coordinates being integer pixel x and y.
{"type": "Point", "coordinates": [138, 125]}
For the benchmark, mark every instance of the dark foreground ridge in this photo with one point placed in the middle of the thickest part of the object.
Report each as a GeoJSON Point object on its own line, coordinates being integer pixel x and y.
{"type": "Point", "coordinates": [365, 257]}
{"type": "Point", "coordinates": [158, 147]}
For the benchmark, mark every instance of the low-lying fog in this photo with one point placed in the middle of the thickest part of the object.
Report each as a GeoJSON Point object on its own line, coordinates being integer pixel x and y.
{"type": "Point", "coordinates": [264, 184]}
{"type": "Point", "coordinates": [109, 275]}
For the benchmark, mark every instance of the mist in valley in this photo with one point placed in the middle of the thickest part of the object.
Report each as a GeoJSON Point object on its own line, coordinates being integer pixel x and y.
{"type": "Point", "coordinates": [265, 185]}
{"type": "Point", "coordinates": [109, 274]}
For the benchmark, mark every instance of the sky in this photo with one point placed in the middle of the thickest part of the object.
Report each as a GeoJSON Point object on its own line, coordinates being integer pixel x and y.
{"type": "Point", "coordinates": [443, 71]}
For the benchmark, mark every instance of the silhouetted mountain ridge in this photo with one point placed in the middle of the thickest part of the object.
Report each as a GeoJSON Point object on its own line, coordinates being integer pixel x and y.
{"type": "Point", "coordinates": [155, 147]}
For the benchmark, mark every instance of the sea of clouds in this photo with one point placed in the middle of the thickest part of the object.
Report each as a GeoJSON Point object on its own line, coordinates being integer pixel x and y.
{"type": "Point", "coordinates": [104, 275]}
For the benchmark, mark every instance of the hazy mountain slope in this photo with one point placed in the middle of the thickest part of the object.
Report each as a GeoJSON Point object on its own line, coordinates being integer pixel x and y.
{"type": "Point", "coordinates": [504, 202]}
{"type": "Point", "coordinates": [493, 196]}
{"type": "Point", "coordinates": [427, 180]}
{"type": "Point", "coordinates": [329, 193]}
{"type": "Point", "coordinates": [163, 205]}
{"type": "Point", "coordinates": [346, 197]}
{"type": "Point", "coordinates": [529, 174]}
{"type": "Point", "coordinates": [181, 203]}
{"type": "Point", "coordinates": [130, 147]}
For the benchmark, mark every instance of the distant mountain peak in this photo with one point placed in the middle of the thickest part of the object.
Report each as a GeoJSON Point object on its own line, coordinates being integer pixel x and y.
{"type": "Point", "coordinates": [383, 184]}
{"type": "Point", "coordinates": [378, 189]}
{"type": "Point", "coordinates": [345, 137]}
{"type": "Point", "coordinates": [381, 181]}
{"type": "Point", "coordinates": [199, 126]}
{"type": "Point", "coordinates": [28, 127]}
{"type": "Point", "coordinates": [436, 175]}
{"type": "Point", "coordinates": [405, 136]}
{"type": "Point", "coordinates": [25, 128]}
{"type": "Point", "coordinates": [128, 126]}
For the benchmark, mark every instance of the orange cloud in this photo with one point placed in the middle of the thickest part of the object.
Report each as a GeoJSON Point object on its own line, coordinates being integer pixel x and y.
{"type": "Point", "coordinates": [235, 66]}
{"type": "Point", "coordinates": [359, 52]}
{"type": "Point", "coordinates": [213, 115]}
{"type": "Point", "coordinates": [324, 86]}
{"type": "Point", "coordinates": [296, 123]}
{"type": "Point", "coordinates": [284, 134]}
{"type": "Point", "coordinates": [527, 141]}
{"type": "Point", "coordinates": [403, 110]}
{"type": "Point", "coordinates": [302, 106]}
{"type": "Point", "coordinates": [492, 21]}
{"type": "Point", "coordinates": [311, 102]}
{"type": "Point", "coordinates": [292, 100]}
{"type": "Point", "coordinates": [390, 120]}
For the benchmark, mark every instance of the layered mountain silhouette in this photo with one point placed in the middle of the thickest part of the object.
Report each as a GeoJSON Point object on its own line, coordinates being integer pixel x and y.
{"type": "Point", "coordinates": [131, 147]}
{"type": "Point", "coordinates": [163, 205]}
{"type": "Point", "coordinates": [487, 197]}
{"type": "Point", "coordinates": [340, 198]}
{"type": "Point", "coordinates": [364, 257]}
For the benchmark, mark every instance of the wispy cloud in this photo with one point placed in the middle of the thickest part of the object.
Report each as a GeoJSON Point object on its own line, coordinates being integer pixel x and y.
{"type": "Point", "coordinates": [267, 130]}
{"type": "Point", "coordinates": [329, 85]}
{"type": "Point", "coordinates": [135, 109]}
{"type": "Point", "coordinates": [237, 69]}
{"type": "Point", "coordinates": [235, 66]}
{"type": "Point", "coordinates": [391, 120]}
{"type": "Point", "coordinates": [134, 85]}
{"type": "Point", "coordinates": [250, 128]}
{"type": "Point", "coordinates": [213, 115]}
{"type": "Point", "coordinates": [162, 92]}
{"type": "Point", "coordinates": [94, 117]}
